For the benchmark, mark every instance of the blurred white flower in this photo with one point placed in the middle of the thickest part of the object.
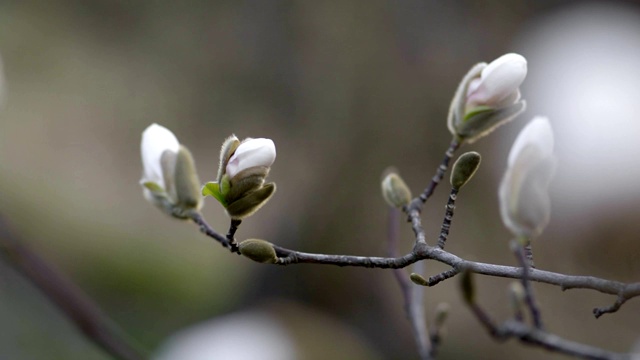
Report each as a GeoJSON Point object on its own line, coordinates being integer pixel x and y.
{"type": "Point", "coordinates": [156, 140]}
{"type": "Point", "coordinates": [244, 336]}
{"type": "Point", "coordinates": [251, 153]}
{"type": "Point", "coordinates": [499, 82]}
{"type": "Point", "coordinates": [523, 194]}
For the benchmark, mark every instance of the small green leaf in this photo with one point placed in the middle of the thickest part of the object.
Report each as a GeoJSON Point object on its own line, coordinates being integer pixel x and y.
{"type": "Point", "coordinates": [154, 187]}
{"type": "Point", "coordinates": [212, 188]}
{"type": "Point", "coordinates": [477, 110]}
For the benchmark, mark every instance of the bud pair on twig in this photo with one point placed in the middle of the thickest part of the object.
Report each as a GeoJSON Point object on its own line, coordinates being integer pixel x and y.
{"type": "Point", "coordinates": [170, 179]}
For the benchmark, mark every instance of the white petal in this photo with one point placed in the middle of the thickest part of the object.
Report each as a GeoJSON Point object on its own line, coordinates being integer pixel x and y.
{"type": "Point", "coordinates": [156, 140]}
{"type": "Point", "coordinates": [537, 133]}
{"type": "Point", "coordinates": [499, 80]}
{"type": "Point", "coordinates": [523, 192]}
{"type": "Point", "coordinates": [251, 153]}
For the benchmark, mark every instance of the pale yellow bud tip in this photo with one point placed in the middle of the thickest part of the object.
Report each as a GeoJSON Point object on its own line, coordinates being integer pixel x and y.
{"type": "Point", "coordinates": [395, 192]}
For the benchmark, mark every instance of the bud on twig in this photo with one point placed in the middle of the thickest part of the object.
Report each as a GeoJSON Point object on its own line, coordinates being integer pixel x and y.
{"type": "Point", "coordinates": [464, 169]}
{"type": "Point", "coordinates": [187, 182]}
{"type": "Point", "coordinates": [395, 192]}
{"type": "Point", "coordinates": [418, 279]}
{"type": "Point", "coordinates": [487, 97]}
{"type": "Point", "coordinates": [524, 199]}
{"type": "Point", "coordinates": [258, 250]}
{"type": "Point", "coordinates": [243, 168]}
{"type": "Point", "coordinates": [170, 179]}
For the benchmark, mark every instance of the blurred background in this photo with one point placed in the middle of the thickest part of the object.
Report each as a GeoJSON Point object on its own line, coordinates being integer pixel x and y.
{"type": "Point", "coordinates": [345, 89]}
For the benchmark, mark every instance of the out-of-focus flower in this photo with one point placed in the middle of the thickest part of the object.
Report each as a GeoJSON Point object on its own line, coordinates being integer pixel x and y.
{"type": "Point", "coordinates": [395, 191]}
{"type": "Point", "coordinates": [488, 96]}
{"type": "Point", "coordinates": [251, 153]}
{"type": "Point", "coordinates": [244, 336]}
{"type": "Point", "coordinates": [240, 187]}
{"type": "Point", "coordinates": [169, 176]}
{"type": "Point", "coordinates": [523, 193]}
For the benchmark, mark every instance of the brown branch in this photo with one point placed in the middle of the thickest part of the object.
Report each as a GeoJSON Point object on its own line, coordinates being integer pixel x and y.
{"type": "Point", "coordinates": [538, 337]}
{"type": "Point", "coordinates": [422, 251]}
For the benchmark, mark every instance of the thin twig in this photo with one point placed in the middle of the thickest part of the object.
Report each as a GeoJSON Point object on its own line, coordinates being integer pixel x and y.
{"type": "Point", "coordinates": [529, 298]}
{"type": "Point", "coordinates": [233, 227]}
{"type": "Point", "coordinates": [448, 217]}
{"type": "Point", "coordinates": [538, 337]}
{"type": "Point", "coordinates": [414, 309]}
{"type": "Point", "coordinates": [442, 169]}
{"type": "Point", "coordinates": [414, 208]}
{"type": "Point", "coordinates": [77, 306]}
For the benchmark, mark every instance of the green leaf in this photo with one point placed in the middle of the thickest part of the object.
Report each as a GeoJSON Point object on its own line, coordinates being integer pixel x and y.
{"type": "Point", "coordinates": [212, 188]}
{"type": "Point", "coordinates": [477, 110]}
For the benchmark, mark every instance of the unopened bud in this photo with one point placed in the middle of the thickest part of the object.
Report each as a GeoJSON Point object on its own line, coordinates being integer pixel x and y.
{"type": "Point", "coordinates": [240, 186]}
{"type": "Point", "coordinates": [258, 250]}
{"type": "Point", "coordinates": [251, 202]}
{"type": "Point", "coordinates": [487, 97]}
{"type": "Point", "coordinates": [464, 169]}
{"type": "Point", "coordinates": [186, 181]}
{"type": "Point", "coordinates": [418, 279]}
{"type": "Point", "coordinates": [395, 192]}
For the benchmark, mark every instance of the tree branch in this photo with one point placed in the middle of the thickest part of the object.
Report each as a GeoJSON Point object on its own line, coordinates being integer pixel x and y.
{"type": "Point", "coordinates": [413, 306]}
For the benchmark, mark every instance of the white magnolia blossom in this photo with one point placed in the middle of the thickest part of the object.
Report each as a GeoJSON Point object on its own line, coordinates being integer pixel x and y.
{"type": "Point", "coordinates": [156, 140]}
{"type": "Point", "coordinates": [251, 153]}
{"type": "Point", "coordinates": [242, 336]}
{"type": "Point", "coordinates": [499, 82]}
{"type": "Point", "coordinates": [524, 198]}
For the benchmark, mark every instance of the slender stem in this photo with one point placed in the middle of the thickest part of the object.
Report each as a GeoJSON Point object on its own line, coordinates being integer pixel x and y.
{"type": "Point", "coordinates": [206, 229]}
{"type": "Point", "coordinates": [528, 254]}
{"type": "Point", "coordinates": [442, 169]}
{"type": "Point", "coordinates": [529, 298]}
{"type": "Point", "coordinates": [538, 337]}
{"type": "Point", "coordinates": [76, 305]}
{"type": "Point", "coordinates": [233, 227]}
{"type": "Point", "coordinates": [448, 217]}
{"type": "Point", "coordinates": [414, 208]}
{"type": "Point", "coordinates": [412, 306]}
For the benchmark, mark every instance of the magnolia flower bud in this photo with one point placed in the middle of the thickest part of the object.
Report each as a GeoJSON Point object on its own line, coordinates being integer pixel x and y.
{"type": "Point", "coordinates": [251, 153]}
{"type": "Point", "coordinates": [487, 97]}
{"type": "Point", "coordinates": [170, 180]}
{"type": "Point", "coordinates": [243, 168]}
{"type": "Point", "coordinates": [186, 181]}
{"type": "Point", "coordinates": [395, 192]}
{"type": "Point", "coordinates": [523, 193]}
{"type": "Point", "coordinates": [499, 81]}
{"type": "Point", "coordinates": [258, 250]}
{"type": "Point", "coordinates": [156, 140]}
{"type": "Point", "coordinates": [418, 279]}
{"type": "Point", "coordinates": [464, 168]}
